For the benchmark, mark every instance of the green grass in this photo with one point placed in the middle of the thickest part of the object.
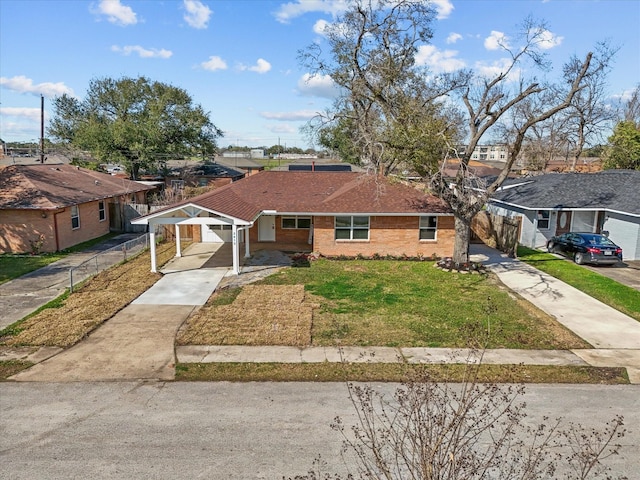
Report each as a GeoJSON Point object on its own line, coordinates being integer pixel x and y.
{"type": "Point", "coordinates": [404, 303]}
{"type": "Point", "coordinates": [608, 291]}
{"type": "Point", "coordinates": [14, 266]}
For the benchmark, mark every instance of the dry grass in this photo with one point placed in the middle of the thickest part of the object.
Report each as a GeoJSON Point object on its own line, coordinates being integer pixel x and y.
{"type": "Point", "coordinates": [393, 372]}
{"type": "Point", "coordinates": [259, 315]}
{"type": "Point", "coordinates": [96, 301]}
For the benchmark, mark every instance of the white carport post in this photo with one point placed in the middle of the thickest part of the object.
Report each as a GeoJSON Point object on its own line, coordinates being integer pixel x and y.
{"type": "Point", "coordinates": [247, 253]}
{"type": "Point", "coordinates": [178, 248]}
{"type": "Point", "coordinates": [152, 240]}
{"type": "Point", "coordinates": [235, 249]}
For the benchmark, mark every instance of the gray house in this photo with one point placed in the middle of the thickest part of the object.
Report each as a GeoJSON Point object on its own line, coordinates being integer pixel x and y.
{"type": "Point", "coordinates": [557, 203]}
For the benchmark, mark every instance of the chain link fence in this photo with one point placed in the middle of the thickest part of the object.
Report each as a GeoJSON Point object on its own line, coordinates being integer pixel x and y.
{"type": "Point", "coordinates": [106, 259]}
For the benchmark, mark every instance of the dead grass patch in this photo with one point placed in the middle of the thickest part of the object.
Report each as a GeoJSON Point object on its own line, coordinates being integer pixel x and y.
{"type": "Point", "coordinates": [386, 372]}
{"type": "Point", "coordinates": [259, 315]}
{"type": "Point", "coordinates": [94, 302]}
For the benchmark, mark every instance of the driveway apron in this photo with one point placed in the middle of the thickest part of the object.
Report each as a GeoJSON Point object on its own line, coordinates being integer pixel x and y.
{"type": "Point", "coordinates": [138, 342]}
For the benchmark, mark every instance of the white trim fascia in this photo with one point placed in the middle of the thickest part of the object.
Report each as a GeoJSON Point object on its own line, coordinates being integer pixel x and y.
{"type": "Point", "coordinates": [144, 220]}
{"type": "Point", "coordinates": [570, 209]}
{"type": "Point", "coordinates": [365, 214]}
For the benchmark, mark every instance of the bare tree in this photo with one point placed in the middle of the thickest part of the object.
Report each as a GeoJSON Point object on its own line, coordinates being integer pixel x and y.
{"type": "Point", "coordinates": [397, 108]}
{"type": "Point", "coordinates": [438, 431]}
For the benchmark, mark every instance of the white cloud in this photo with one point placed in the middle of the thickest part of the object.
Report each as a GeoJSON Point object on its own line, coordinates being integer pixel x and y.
{"type": "Point", "coordinates": [142, 52]}
{"type": "Point", "coordinates": [443, 8]}
{"type": "Point", "coordinates": [283, 128]}
{"type": "Point", "coordinates": [317, 86]}
{"type": "Point", "coordinates": [439, 61]}
{"type": "Point", "coordinates": [22, 84]}
{"type": "Point", "coordinates": [21, 112]}
{"type": "Point", "coordinates": [496, 41]}
{"type": "Point", "coordinates": [547, 40]}
{"type": "Point", "coordinates": [319, 26]}
{"type": "Point", "coordinates": [299, 115]}
{"type": "Point", "coordinates": [291, 10]}
{"type": "Point", "coordinates": [214, 63]}
{"type": "Point", "coordinates": [197, 15]}
{"type": "Point", "coordinates": [496, 68]}
{"type": "Point", "coordinates": [261, 66]}
{"type": "Point", "coordinates": [117, 13]}
{"type": "Point", "coordinates": [454, 37]}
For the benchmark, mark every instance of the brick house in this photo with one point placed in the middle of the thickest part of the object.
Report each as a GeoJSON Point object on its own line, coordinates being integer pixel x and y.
{"type": "Point", "coordinates": [48, 208]}
{"type": "Point", "coordinates": [332, 213]}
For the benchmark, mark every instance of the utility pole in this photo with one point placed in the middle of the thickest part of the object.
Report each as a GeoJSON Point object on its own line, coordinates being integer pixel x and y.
{"type": "Point", "coordinates": [41, 128]}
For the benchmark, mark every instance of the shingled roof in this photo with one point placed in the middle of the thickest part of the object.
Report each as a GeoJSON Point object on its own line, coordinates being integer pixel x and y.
{"type": "Point", "coordinates": [57, 186]}
{"type": "Point", "coordinates": [612, 190]}
{"type": "Point", "coordinates": [315, 193]}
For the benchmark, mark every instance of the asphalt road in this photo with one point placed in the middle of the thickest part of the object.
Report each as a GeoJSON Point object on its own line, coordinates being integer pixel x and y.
{"type": "Point", "coordinates": [124, 430]}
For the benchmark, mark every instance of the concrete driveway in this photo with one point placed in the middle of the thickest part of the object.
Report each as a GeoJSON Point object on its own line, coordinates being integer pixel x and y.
{"type": "Point", "coordinates": [138, 342]}
{"type": "Point", "coordinates": [627, 273]}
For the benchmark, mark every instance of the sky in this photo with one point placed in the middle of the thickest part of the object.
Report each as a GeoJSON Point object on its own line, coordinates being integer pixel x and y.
{"type": "Point", "coordinates": [238, 59]}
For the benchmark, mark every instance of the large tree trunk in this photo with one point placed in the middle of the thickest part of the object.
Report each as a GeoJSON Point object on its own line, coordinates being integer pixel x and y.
{"type": "Point", "coordinates": [462, 240]}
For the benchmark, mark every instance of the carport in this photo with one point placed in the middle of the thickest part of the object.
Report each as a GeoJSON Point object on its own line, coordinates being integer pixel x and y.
{"type": "Point", "coordinates": [192, 214]}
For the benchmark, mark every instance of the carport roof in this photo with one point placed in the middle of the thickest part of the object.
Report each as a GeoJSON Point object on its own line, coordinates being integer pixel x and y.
{"type": "Point", "coordinates": [313, 193]}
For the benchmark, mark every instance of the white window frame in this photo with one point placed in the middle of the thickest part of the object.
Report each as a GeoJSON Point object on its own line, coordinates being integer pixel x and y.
{"type": "Point", "coordinates": [296, 221]}
{"type": "Point", "coordinates": [425, 227]}
{"type": "Point", "coordinates": [102, 212]}
{"type": "Point", "coordinates": [75, 217]}
{"type": "Point", "coordinates": [540, 217]}
{"type": "Point", "coordinates": [351, 226]}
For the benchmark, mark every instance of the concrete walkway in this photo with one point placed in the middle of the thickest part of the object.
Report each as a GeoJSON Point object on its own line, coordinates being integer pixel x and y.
{"type": "Point", "coordinates": [138, 342]}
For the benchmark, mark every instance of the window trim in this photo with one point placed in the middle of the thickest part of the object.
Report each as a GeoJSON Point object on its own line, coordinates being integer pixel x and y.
{"type": "Point", "coordinates": [296, 219]}
{"type": "Point", "coordinates": [102, 212]}
{"type": "Point", "coordinates": [351, 228]}
{"type": "Point", "coordinates": [75, 217]}
{"type": "Point", "coordinates": [422, 228]}
{"type": "Point", "coordinates": [540, 217]}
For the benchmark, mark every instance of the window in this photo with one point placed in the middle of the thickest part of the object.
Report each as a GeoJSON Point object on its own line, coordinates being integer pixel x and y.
{"type": "Point", "coordinates": [296, 222]}
{"type": "Point", "coordinates": [102, 214]}
{"type": "Point", "coordinates": [352, 228]}
{"type": "Point", "coordinates": [543, 219]}
{"type": "Point", "coordinates": [428, 228]}
{"type": "Point", "coordinates": [75, 217]}
{"type": "Point", "coordinates": [177, 184]}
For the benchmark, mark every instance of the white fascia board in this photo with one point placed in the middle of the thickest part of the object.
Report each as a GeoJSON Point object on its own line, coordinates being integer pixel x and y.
{"type": "Point", "coordinates": [364, 214]}
{"type": "Point", "coordinates": [196, 221]}
{"type": "Point", "coordinates": [193, 211]}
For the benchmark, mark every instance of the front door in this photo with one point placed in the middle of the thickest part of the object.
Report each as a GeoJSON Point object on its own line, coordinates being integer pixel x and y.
{"type": "Point", "coordinates": [267, 228]}
{"type": "Point", "coordinates": [563, 223]}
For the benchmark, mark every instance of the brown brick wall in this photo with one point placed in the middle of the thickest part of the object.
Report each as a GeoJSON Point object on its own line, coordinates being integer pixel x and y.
{"type": "Point", "coordinates": [90, 225]}
{"type": "Point", "coordinates": [286, 238]}
{"type": "Point", "coordinates": [387, 236]}
{"type": "Point", "coordinates": [18, 227]}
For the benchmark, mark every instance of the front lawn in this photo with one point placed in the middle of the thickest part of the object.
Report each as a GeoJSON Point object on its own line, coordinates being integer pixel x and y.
{"type": "Point", "coordinates": [379, 303]}
{"type": "Point", "coordinates": [608, 291]}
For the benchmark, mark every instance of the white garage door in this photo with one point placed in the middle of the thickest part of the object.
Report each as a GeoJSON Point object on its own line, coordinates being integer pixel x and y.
{"type": "Point", "coordinates": [216, 233]}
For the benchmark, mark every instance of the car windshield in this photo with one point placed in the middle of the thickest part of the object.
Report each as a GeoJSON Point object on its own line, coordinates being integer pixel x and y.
{"type": "Point", "coordinates": [598, 240]}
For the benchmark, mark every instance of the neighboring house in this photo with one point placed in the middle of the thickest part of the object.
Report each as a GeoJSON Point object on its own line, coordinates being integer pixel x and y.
{"type": "Point", "coordinates": [49, 208]}
{"type": "Point", "coordinates": [332, 213]}
{"type": "Point", "coordinates": [202, 175]}
{"type": "Point", "coordinates": [247, 165]}
{"type": "Point", "coordinates": [557, 203]}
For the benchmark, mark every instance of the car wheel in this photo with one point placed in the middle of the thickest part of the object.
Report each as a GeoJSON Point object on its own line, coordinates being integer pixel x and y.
{"type": "Point", "coordinates": [579, 258]}
{"type": "Point", "coordinates": [551, 247]}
